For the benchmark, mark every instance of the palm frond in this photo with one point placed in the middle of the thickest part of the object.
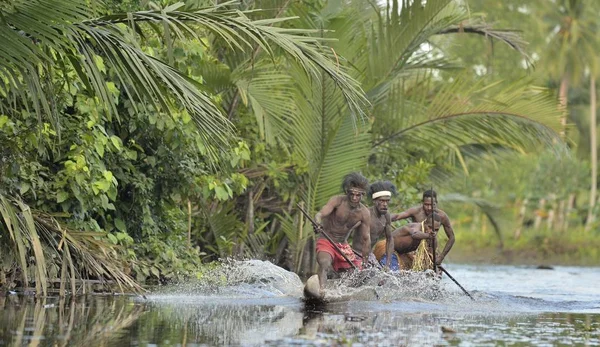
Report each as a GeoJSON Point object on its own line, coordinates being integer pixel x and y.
{"type": "Point", "coordinates": [235, 28]}
{"type": "Point", "coordinates": [269, 94]}
{"type": "Point", "coordinates": [255, 244]}
{"type": "Point", "coordinates": [327, 138]}
{"type": "Point", "coordinates": [69, 36]}
{"type": "Point", "coordinates": [509, 37]}
{"type": "Point", "coordinates": [297, 235]}
{"type": "Point", "coordinates": [512, 116]}
{"type": "Point", "coordinates": [224, 227]}
{"type": "Point", "coordinates": [39, 236]}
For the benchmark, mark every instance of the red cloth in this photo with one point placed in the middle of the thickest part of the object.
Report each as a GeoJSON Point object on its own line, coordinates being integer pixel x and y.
{"type": "Point", "coordinates": [339, 263]}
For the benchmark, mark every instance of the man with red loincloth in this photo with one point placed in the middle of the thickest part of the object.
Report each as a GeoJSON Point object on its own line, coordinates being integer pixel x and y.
{"type": "Point", "coordinates": [340, 216]}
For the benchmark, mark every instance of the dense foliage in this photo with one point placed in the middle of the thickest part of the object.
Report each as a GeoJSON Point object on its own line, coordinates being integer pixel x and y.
{"type": "Point", "coordinates": [151, 142]}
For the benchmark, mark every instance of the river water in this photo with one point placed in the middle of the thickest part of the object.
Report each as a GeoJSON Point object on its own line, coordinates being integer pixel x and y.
{"type": "Point", "coordinates": [255, 303]}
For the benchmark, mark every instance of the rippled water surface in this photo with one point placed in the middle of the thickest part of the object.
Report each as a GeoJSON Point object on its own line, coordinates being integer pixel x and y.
{"type": "Point", "coordinates": [255, 304]}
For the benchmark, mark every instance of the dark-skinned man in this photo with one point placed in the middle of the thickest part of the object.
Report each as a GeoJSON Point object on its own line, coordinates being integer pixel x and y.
{"type": "Point", "coordinates": [418, 214]}
{"type": "Point", "coordinates": [407, 239]}
{"type": "Point", "coordinates": [337, 218]}
{"type": "Point", "coordinates": [380, 193]}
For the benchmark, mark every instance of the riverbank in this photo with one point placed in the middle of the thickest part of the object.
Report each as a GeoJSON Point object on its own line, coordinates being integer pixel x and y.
{"type": "Point", "coordinates": [542, 247]}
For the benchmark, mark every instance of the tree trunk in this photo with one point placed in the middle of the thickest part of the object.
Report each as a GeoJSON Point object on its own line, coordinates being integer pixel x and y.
{"type": "Point", "coordinates": [562, 99]}
{"type": "Point", "coordinates": [568, 210]}
{"type": "Point", "coordinates": [560, 215]}
{"type": "Point", "coordinates": [550, 221]}
{"type": "Point", "coordinates": [521, 218]}
{"type": "Point", "coordinates": [594, 154]}
{"type": "Point", "coordinates": [475, 222]}
{"type": "Point", "coordinates": [299, 247]}
{"type": "Point", "coordinates": [250, 214]}
{"type": "Point", "coordinates": [189, 231]}
{"type": "Point", "coordinates": [538, 215]}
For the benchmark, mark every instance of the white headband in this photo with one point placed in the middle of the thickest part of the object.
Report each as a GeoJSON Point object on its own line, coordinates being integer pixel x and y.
{"type": "Point", "coordinates": [381, 193]}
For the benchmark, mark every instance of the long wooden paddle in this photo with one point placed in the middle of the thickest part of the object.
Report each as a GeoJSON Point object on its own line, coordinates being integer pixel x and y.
{"type": "Point", "coordinates": [434, 240]}
{"type": "Point", "coordinates": [335, 246]}
{"type": "Point", "coordinates": [455, 281]}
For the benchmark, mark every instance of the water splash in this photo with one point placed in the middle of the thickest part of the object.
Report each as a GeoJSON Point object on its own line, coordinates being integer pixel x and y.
{"type": "Point", "coordinates": [233, 279]}
{"type": "Point", "coordinates": [377, 285]}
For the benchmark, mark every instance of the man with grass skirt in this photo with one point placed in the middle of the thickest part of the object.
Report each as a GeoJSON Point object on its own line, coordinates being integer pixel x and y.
{"type": "Point", "coordinates": [407, 239]}
{"type": "Point", "coordinates": [418, 214]}
{"type": "Point", "coordinates": [339, 217]}
{"type": "Point", "coordinates": [380, 193]}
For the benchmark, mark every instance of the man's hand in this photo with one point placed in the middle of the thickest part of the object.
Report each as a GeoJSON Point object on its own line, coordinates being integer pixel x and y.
{"type": "Point", "coordinates": [317, 228]}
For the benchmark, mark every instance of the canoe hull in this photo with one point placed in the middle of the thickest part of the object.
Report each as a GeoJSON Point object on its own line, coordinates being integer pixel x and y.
{"type": "Point", "coordinates": [312, 289]}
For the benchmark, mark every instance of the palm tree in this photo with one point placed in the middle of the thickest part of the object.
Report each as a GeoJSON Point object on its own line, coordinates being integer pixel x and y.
{"type": "Point", "coordinates": [44, 40]}
{"type": "Point", "coordinates": [396, 54]}
{"type": "Point", "coordinates": [570, 30]}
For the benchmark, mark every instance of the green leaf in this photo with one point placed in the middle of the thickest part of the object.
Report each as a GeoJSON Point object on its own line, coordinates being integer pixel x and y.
{"type": "Point", "coordinates": [99, 148]}
{"type": "Point", "coordinates": [101, 186]}
{"type": "Point", "coordinates": [104, 201]}
{"type": "Point", "coordinates": [151, 160]}
{"type": "Point", "coordinates": [61, 196]}
{"type": "Point", "coordinates": [3, 120]}
{"type": "Point", "coordinates": [120, 225]}
{"type": "Point", "coordinates": [116, 141]}
{"type": "Point", "coordinates": [185, 117]}
{"type": "Point", "coordinates": [113, 238]}
{"type": "Point", "coordinates": [25, 188]}
{"type": "Point", "coordinates": [221, 193]}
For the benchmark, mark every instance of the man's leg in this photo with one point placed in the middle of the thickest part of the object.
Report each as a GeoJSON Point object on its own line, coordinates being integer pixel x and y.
{"type": "Point", "coordinates": [406, 262]}
{"type": "Point", "coordinates": [325, 261]}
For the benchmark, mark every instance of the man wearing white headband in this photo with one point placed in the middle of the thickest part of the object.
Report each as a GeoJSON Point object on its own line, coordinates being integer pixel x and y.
{"type": "Point", "coordinates": [380, 193]}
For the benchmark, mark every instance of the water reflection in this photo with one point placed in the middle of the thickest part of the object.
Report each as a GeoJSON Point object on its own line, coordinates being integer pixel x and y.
{"type": "Point", "coordinates": [253, 304]}
{"type": "Point", "coordinates": [247, 322]}
{"type": "Point", "coordinates": [201, 320]}
{"type": "Point", "coordinates": [82, 321]}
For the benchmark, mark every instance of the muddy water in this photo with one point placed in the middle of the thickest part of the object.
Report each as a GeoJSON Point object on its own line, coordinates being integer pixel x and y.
{"type": "Point", "coordinates": [256, 304]}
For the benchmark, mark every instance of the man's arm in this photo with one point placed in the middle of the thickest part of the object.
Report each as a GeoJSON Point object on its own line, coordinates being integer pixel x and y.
{"type": "Point", "coordinates": [365, 234]}
{"type": "Point", "coordinates": [419, 235]}
{"type": "Point", "coordinates": [328, 208]}
{"type": "Point", "coordinates": [404, 214]}
{"type": "Point", "coordinates": [389, 242]}
{"type": "Point", "coordinates": [450, 233]}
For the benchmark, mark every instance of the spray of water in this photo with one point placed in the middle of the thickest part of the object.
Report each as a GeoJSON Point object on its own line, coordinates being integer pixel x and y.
{"type": "Point", "coordinates": [238, 279]}
{"type": "Point", "coordinates": [376, 285]}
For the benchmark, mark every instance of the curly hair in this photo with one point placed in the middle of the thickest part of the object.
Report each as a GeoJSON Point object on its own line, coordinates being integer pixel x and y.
{"type": "Point", "coordinates": [382, 185]}
{"type": "Point", "coordinates": [355, 180]}
{"type": "Point", "coordinates": [430, 194]}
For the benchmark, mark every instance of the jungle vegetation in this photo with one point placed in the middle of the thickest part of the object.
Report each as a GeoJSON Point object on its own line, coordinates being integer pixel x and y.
{"type": "Point", "coordinates": [141, 140]}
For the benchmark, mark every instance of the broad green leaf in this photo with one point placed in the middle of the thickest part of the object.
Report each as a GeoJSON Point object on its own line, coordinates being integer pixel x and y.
{"type": "Point", "coordinates": [99, 148]}
{"type": "Point", "coordinates": [25, 188]}
{"type": "Point", "coordinates": [116, 141]}
{"type": "Point", "coordinates": [221, 193]}
{"type": "Point", "coordinates": [61, 196]}
{"type": "Point", "coordinates": [113, 238]}
{"type": "Point", "coordinates": [120, 225]}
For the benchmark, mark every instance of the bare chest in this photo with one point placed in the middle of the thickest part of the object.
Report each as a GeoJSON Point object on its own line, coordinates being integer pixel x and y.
{"type": "Point", "coordinates": [346, 217]}
{"type": "Point", "coordinates": [377, 224]}
{"type": "Point", "coordinates": [419, 216]}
